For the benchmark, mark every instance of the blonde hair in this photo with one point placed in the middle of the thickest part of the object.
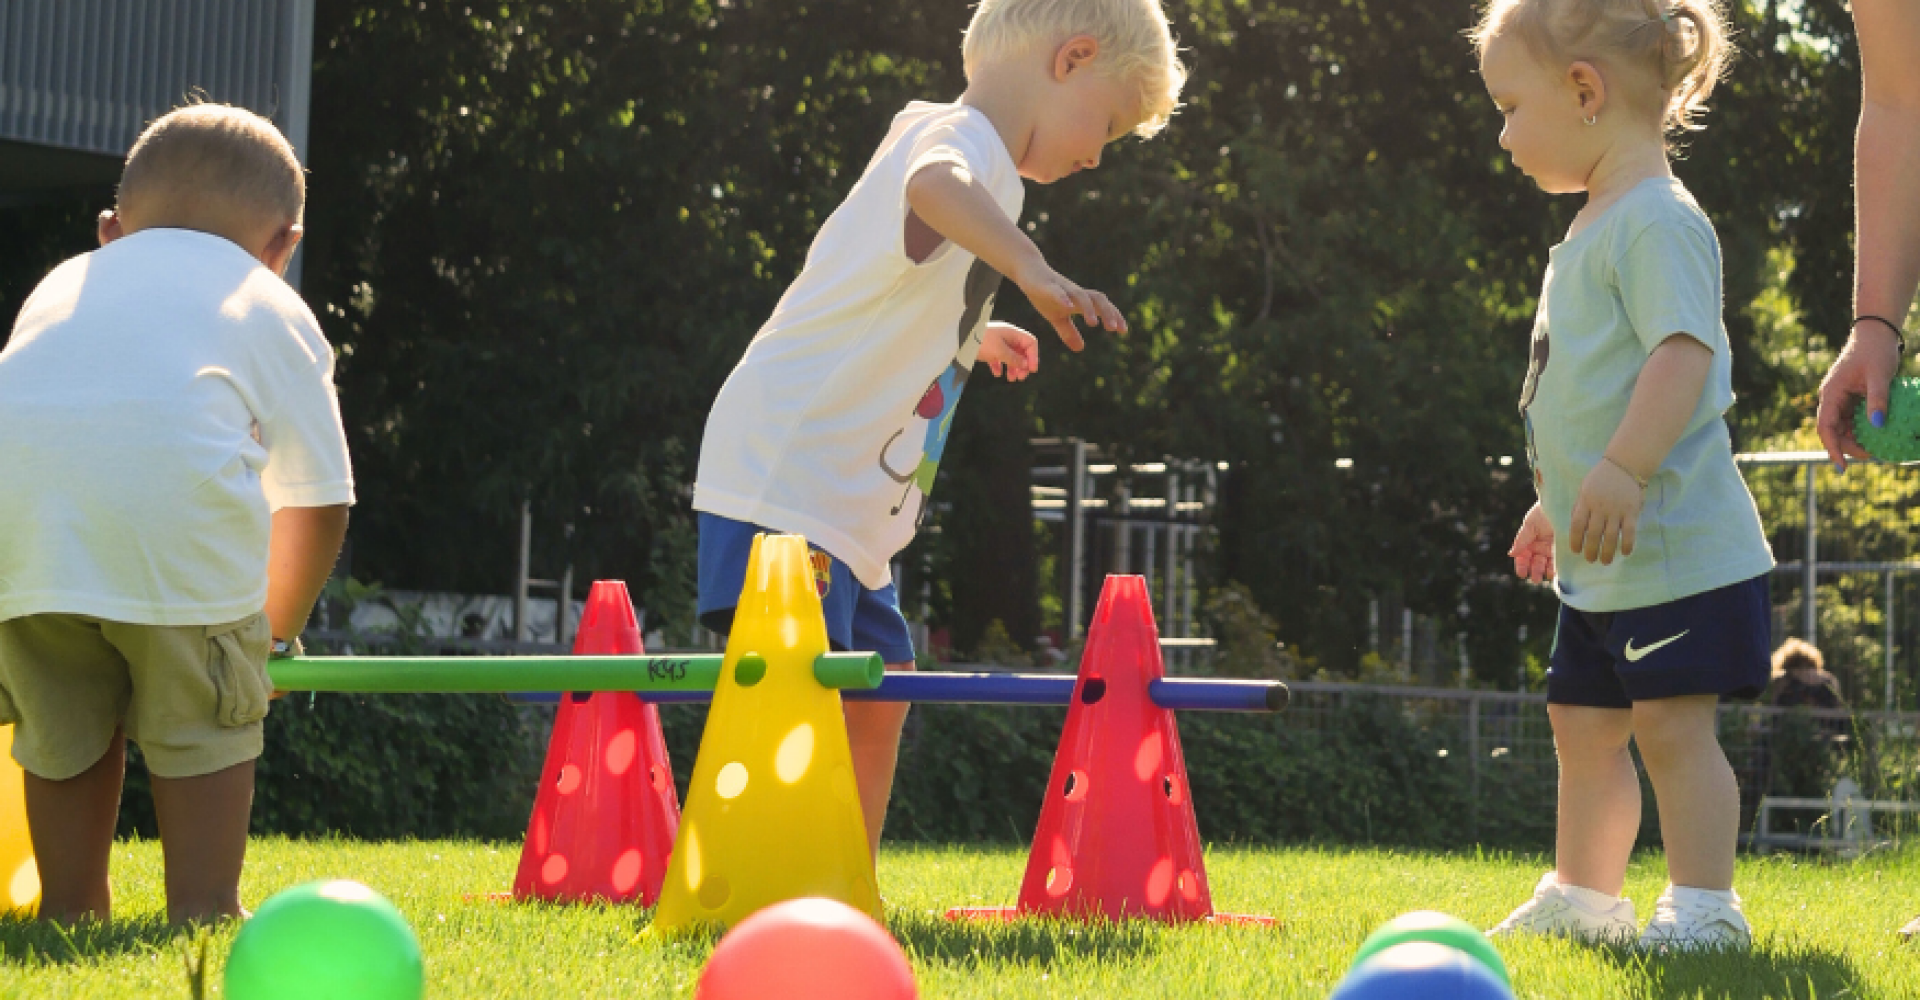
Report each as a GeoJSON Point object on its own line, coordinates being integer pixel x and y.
{"type": "Point", "coordinates": [1136, 43]}
{"type": "Point", "coordinates": [1795, 654]}
{"type": "Point", "coordinates": [1682, 44]}
{"type": "Point", "coordinates": [215, 151]}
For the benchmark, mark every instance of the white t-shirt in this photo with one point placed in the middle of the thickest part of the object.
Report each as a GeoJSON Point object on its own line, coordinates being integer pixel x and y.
{"type": "Point", "coordinates": [159, 398]}
{"type": "Point", "coordinates": [833, 423]}
{"type": "Point", "coordinates": [1646, 270]}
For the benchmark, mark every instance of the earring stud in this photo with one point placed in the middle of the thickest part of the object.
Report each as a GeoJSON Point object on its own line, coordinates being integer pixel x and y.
{"type": "Point", "coordinates": [1592, 119]}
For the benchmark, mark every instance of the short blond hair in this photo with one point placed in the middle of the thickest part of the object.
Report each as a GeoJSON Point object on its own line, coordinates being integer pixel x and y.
{"type": "Point", "coordinates": [1136, 43]}
{"type": "Point", "coordinates": [1681, 44]}
{"type": "Point", "coordinates": [1797, 654]}
{"type": "Point", "coordinates": [207, 151]}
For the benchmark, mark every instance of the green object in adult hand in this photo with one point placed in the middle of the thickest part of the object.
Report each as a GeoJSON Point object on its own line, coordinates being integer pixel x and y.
{"type": "Point", "coordinates": [1897, 440]}
{"type": "Point", "coordinates": [327, 939]}
{"type": "Point", "coordinates": [1436, 928]}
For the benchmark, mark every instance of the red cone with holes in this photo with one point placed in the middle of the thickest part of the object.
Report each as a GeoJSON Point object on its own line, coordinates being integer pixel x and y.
{"type": "Point", "coordinates": [604, 819]}
{"type": "Point", "coordinates": [1117, 838]}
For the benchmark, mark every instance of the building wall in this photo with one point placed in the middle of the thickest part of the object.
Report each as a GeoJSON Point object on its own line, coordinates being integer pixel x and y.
{"type": "Point", "coordinates": [87, 75]}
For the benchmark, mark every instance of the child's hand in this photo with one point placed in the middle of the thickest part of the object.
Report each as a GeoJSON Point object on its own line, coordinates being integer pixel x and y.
{"type": "Point", "coordinates": [1532, 550]}
{"type": "Point", "coordinates": [1009, 352]}
{"type": "Point", "coordinates": [1606, 513]}
{"type": "Point", "coordinates": [1059, 300]}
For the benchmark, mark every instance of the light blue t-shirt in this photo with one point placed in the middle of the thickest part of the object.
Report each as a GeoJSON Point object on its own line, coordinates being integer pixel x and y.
{"type": "Point", "coordinates": [1647, 269]}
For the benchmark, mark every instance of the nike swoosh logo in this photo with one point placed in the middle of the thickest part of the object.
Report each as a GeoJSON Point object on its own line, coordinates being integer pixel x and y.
{"type": "Point", "coordinates": [1636, 655]}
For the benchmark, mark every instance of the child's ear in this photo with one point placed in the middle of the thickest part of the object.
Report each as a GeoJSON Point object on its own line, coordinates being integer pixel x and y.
{"type": "Point", "coordinates": [109, 228]}
{"type": "Point", "coordinates": [1589, 87]}
{"type": "Point", "coordinates": [1074, 54]}
{"type": "Point", "coordinates": [278, 252]}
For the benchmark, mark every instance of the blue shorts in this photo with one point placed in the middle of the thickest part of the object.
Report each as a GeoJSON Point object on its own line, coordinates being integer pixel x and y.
{"type": "Point", "coordinates": [1719, 642]}
{"type": "Point", "coordinates": [858, 619]}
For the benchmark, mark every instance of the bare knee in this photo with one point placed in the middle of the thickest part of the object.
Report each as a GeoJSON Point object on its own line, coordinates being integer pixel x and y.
{"type": "Point", "coordinates": [1583, 735]}
{"type": "Point", "coordinates": [1675, 727]}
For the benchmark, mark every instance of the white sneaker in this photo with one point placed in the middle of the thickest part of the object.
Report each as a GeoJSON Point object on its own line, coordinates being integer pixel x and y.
{"type": "Point", "coordinates": [1685, 919]}
{"type": "Point", "coordinates": [1569, 911]}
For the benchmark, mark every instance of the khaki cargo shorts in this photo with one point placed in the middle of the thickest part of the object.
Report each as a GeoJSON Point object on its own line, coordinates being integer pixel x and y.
{"type": "Point", "coordinates": [191, 696]}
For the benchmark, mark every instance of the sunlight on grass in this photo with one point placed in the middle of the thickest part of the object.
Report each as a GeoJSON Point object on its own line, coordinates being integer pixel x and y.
{"type": "Point", "coordinates": [1824, 930]}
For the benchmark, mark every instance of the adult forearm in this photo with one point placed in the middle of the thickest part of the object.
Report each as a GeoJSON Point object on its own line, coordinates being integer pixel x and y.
{"type": "Point", "coordinates": [1886, 147]}
{"type": "Point", "coordinates": [1664, 399]}
{"type": "Point", "coordinates": [1887, 198]}
{"type": "Point", "coordinates": [306, 541]}
{"type": "Point", "coordinates": [948, 199]}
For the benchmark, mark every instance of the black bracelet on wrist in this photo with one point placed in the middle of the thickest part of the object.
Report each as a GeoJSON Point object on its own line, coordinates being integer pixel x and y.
{"type": "Point", "coordinates": [1899, 335]}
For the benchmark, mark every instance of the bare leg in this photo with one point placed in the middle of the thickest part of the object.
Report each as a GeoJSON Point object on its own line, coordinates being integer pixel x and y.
{"type": "Point", "coordinates": [71, 823]}
{"type": "Point", "coordinates": [203, 835]}
{"type": "Point", "coordinates": [1599, 796]}
{"type": "Point", "coordinates": [873, 735]}
{"type": "Point", "coordinates": [1694, 787]}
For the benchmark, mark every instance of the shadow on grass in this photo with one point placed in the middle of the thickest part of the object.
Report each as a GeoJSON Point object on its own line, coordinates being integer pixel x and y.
{"type": "Point", "coordinates": [27, 943]}
{"type": "Point", "coordinates": [933, 938]}
{"type": "Point", "coordinates": [1797, 973]}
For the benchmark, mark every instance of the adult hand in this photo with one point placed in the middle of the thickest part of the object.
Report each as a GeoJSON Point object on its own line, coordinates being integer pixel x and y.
{"type": "Point", "coordinates": [1865, 367]}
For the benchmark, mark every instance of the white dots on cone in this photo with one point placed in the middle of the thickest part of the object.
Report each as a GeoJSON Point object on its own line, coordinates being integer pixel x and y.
{"type": "Point", "coordinates": [731, 781]}
{"type": "Point", "coordinates": [24, 885]}
{"type": "Point", "coordinates": [795, 754]}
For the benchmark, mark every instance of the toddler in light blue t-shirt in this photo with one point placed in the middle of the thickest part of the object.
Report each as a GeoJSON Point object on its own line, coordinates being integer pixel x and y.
{"type": "Point", "coordinates": [1643, 524]}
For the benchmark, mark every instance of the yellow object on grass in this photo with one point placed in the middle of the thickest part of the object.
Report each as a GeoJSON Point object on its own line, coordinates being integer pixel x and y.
{"type": "Point", "coordinates": [19, 878]}
{"type": "Point", "coordinates": [772, 811]}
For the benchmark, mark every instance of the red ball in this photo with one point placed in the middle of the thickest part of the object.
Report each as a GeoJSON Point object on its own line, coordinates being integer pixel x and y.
{"type": "Point", "coordinates": [807, 949]}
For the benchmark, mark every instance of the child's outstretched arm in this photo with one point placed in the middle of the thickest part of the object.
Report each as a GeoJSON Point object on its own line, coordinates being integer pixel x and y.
{"type": "Point", "coordinates": [306, 541]}
{"type": "Point", "coordinates": [1664, 398]}
{"type": "Point", "coordinates": [946, 198]}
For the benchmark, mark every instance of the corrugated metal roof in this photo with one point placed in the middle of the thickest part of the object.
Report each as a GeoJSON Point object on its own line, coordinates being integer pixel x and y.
{"type": "Point", "coordinates": [90, 74]}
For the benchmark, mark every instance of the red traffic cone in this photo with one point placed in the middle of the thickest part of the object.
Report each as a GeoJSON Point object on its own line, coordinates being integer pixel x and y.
{"type": "Point", "coordinates": [1117, 837]}
{"type": "Point", "coordinates": [606, 813]}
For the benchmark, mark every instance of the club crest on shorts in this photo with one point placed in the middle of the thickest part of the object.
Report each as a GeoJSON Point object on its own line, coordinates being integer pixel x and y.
{"type": "Point", "coordinates": [822, 570]}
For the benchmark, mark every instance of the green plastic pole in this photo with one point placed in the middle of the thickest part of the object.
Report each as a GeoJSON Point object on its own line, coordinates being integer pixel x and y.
{"type": "Point", "coordinates": [514, 674]}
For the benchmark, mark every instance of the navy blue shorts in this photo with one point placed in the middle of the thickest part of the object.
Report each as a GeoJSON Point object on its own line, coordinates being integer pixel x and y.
{"type": "Point", "coordinates": [1719, 642]}
{"type": "Point", "coordinates": [858, 619]}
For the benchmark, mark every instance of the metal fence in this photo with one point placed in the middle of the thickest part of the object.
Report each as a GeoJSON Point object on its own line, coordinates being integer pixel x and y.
{"type": "Point", "coordinates": [1847, 550]}
{"type": "Point", "coordinates": [1504, 743]}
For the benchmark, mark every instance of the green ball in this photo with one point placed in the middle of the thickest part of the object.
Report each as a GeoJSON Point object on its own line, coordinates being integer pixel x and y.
{"type": "Point", "coordinates": [330, 940]}
{"type": "Point", "coordinates": [1899, 441]}
{"type": "Point", "coordinates": [1436, 928]}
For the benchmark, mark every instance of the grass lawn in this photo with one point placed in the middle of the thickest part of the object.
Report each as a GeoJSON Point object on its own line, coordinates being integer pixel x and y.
{"type": "Point", "coordinates": [1824, 930]}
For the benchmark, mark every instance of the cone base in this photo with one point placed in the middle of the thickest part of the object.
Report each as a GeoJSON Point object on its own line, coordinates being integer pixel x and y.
{"type": "Point", "coordinates": [1012, 913]}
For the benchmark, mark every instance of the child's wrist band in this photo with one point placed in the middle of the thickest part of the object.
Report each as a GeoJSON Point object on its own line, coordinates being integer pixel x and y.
{"type": "Point", "coordinates": [1630, 473]}
{"type": "Point", "coordinates": [1899, 335]}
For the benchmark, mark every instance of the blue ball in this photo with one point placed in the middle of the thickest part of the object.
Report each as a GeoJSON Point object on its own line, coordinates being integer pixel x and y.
{"type": "Point", "coordinates": [1421, 969]}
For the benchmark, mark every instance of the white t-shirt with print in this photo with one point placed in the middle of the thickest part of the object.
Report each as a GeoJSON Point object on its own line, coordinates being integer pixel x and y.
{"type": "Point", "coordinates": [833, 423]}
{"type": "Point", "coordinates": [159, 398]}
{"type": "Point", "coordinates": [1646, 270]}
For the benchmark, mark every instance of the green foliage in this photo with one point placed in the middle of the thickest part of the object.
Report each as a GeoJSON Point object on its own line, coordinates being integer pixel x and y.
{"type": "Point", "coordinates": [385, 766]}
{"type": "Point", "coordinates": [1248, 645]}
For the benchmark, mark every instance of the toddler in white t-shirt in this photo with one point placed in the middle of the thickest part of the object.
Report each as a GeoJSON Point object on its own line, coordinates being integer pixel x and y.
{"type": "Point", "coordinates": [833, 424]}
{"type": "Point", "coordinates": [175, 492]}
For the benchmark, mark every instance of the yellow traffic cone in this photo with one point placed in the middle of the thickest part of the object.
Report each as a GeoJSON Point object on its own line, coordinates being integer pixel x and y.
{"type": "Point", "coordinates": [19, 878]}
{"type": "Point", "coordinates": [772, 812]}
